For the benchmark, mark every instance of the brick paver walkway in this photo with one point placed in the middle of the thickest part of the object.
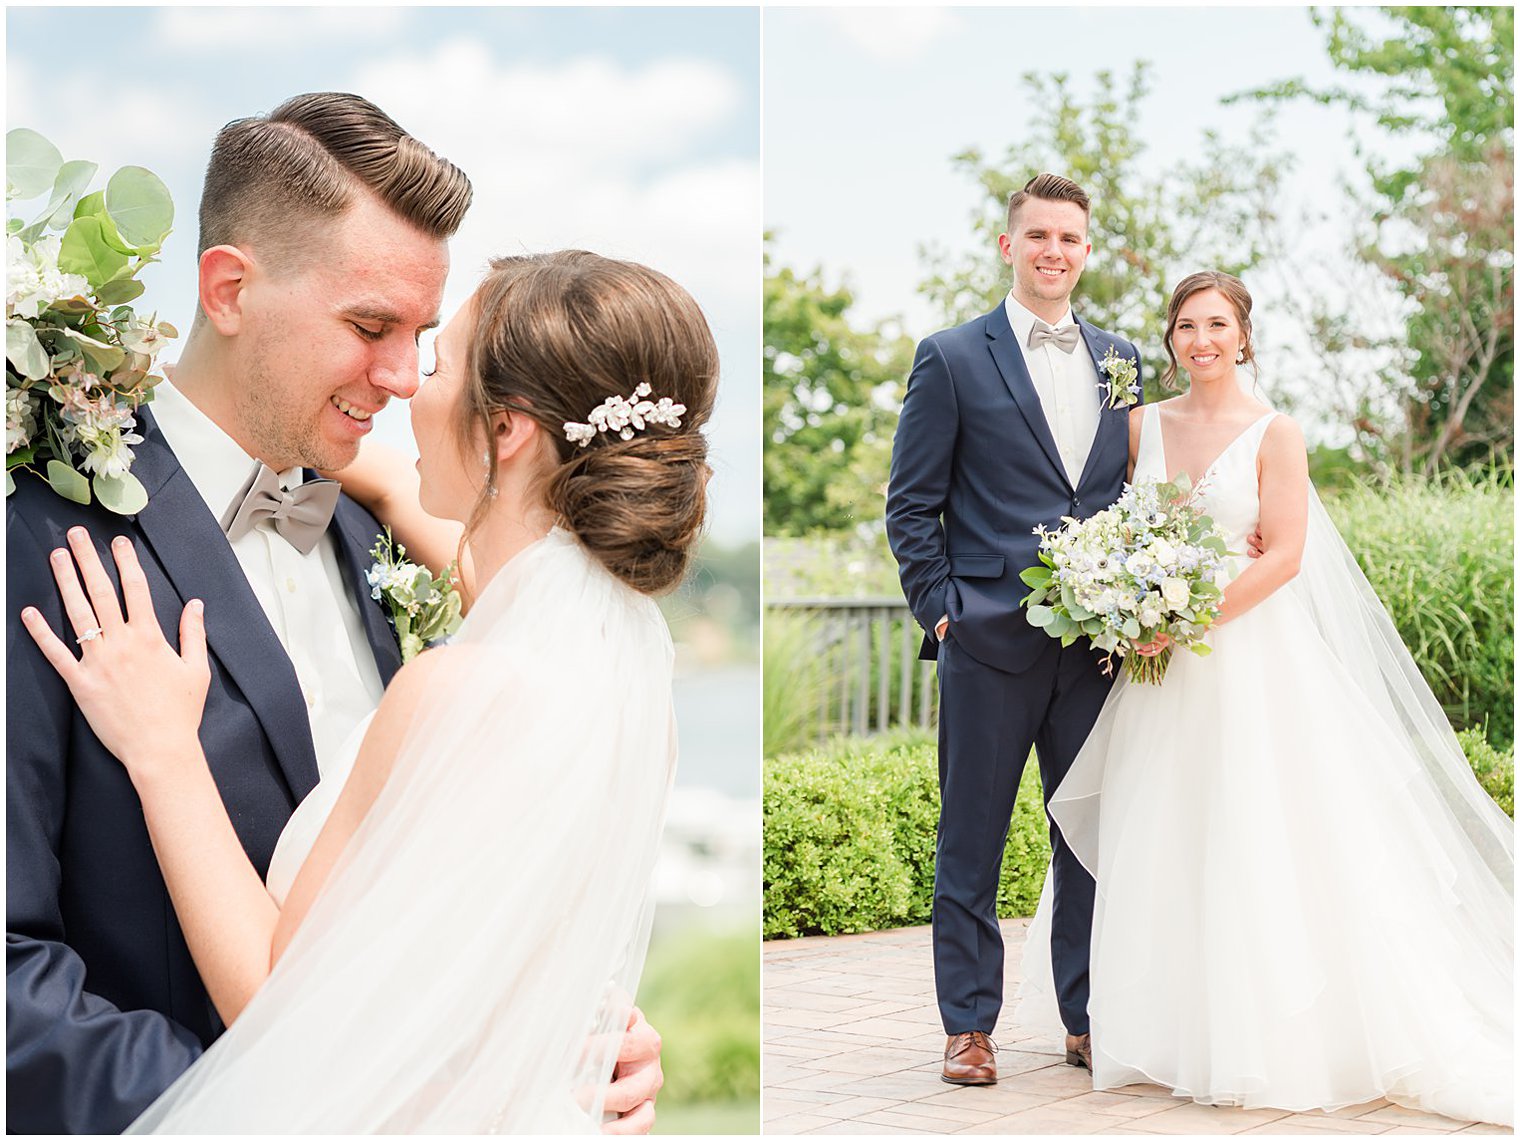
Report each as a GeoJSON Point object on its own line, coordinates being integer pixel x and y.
{"type": "Point", "coordinates": [853, 1043]}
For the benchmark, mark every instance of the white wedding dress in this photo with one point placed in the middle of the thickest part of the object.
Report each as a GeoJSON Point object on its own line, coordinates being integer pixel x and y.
{"type": "Point", "coordinates": [470, 963]}
{"type": "Point", "coordinates": [1304, 899]}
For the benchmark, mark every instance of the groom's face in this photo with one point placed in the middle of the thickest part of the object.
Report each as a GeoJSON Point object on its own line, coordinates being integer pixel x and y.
{"type": "Point", "coordinates": [1047, 248]}
{"type": "Point", "coordinates": [332, 340]}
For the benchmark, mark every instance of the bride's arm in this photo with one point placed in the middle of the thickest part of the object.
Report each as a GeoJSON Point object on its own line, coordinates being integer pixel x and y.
{"type": "Point", "coordinates": [233, 928]}
{"type": "Point", "coordinates": [386, 484]}
{"type": "Point", "coordinates": [1284, 496]}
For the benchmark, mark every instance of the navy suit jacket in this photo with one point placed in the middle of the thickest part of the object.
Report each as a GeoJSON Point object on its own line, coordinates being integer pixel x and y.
{"type": "Point", "coordinates": [974, 470]}
{"type": "Point", "coordinates": [104, 1008]}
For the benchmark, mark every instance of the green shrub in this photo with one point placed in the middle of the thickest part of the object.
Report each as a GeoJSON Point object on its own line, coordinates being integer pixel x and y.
{"type": "Point", "coordinates": [701, 991]}
{"type": "Point", "coordinates": [1440, 554]}
{"type": "Point", "coordinates": [849, 838]}
{"type": "Point", "coordinates": [1494, 768]}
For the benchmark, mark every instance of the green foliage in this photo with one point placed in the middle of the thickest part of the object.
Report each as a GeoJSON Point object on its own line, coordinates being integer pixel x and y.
{"type": "Point", "coordinates": [831, 397]}
{"type": "Point", "coordinates": [791, 674]}
{"type": "Point", "coordinates": [1440, 556]}
{"type": "Point", "coordinates": [1147, 230]}
{"type": "Point", "coordinates": [849, 838]}
{"type": "Point", "coordinates": [1494, 767]}
{"type": "Point", "coordinates": [701, 991]}
{"type": "Point", "coordinates": [1442, 224]}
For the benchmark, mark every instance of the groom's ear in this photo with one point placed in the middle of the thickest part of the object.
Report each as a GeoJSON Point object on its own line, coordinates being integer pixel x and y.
{"type": "Point", "coordinates": [223, 274]}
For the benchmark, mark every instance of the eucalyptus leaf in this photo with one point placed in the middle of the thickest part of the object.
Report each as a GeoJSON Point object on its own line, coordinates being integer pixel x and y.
{"type": "Point", "coordinates": [31, 163]}
{"type": "Point", "coordinates": [1068, 638]}
{"type": "Point", "coordinates": [1041, 616]}
{"type": "Point", "coordinates": [68, 188]}
{"type": "Point", "coordinates": [10, 484]}
{"type": "Point", "coordinates": [67, 482]}
{"type": "Point", "coordinates": [140, 204]}
{"type": "Point", "coordinates": [119, 291]}
{"type": "Point", "coordinates": [86, 251]}
{"type": "Point", "coordinates": [24, 351]}
{"type": "Point", "coordinates": [20, 456]}
{"type": "Point", "coordinates": [123, 494]}
{"type": "Point", "coordinates": [1130, 627]}
{"type": "Point", "coordinates": [99, 357]}
{"type": "Point", "coordinates": [94, 206]}
{"type": "Point", "coordinates": [1035, 576]}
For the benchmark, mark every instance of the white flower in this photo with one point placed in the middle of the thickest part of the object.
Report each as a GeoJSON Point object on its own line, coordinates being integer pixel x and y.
{"type": "Point", "coordinates": [1140, 564]}
{"type": "Point", "coordinates": [1163, 552]}
{"type": "Point", "coordinates": [1176, 592]}
{"type": "Point", "coordinates": [33, 280]}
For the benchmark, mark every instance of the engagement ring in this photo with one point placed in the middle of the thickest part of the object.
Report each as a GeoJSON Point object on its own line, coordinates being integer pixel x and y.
{"type": "Point", "coordinates": [88, 636]}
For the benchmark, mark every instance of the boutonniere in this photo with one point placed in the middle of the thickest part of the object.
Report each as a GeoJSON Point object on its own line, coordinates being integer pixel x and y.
{"type": "Point", "coordinates": [422, 609]}
{"type": "Point", "coordinates": [1122, 388]}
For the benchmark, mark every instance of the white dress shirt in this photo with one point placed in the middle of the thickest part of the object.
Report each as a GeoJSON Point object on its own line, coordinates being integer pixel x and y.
{"type": "Point", "coordinates": [304, 596]}
{"type": "Point", "coordinates": [1067, 384]}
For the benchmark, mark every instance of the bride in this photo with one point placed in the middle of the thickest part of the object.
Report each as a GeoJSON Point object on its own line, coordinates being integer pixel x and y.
{"type": "Point", "coordinates": [1304, 898]}
{"type": "Point", "coordinates": [450, 939]}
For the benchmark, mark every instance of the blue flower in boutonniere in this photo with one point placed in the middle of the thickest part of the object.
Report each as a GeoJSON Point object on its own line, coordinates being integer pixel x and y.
{"type": "Point", "coordinates": [1122, 388]}
{"type": "Point", "coordinates": [423, 610]}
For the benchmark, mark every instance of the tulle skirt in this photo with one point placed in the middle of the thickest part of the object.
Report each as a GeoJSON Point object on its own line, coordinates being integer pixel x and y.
{"type": "Point", "coordinates": [1286, 914]}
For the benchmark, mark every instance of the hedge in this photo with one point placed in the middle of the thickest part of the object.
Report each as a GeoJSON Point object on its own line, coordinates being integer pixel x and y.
{"type": "Point", "coordinates": [849, 833]}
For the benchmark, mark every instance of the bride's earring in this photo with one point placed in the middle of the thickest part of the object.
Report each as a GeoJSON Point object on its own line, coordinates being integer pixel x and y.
{"type": "Point", "coordinates": [1240, 355]}
{"type": "Point", "coordinates": [485, 462]}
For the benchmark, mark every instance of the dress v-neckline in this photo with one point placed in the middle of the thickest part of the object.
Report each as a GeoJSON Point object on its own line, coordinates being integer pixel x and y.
{"type": "Point", "coordinates": [1208, 471]}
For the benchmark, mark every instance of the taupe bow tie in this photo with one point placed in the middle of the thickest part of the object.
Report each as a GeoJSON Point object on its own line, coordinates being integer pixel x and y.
{"type": "Point", "coordinates": [300, 515]}
{"type": "Point", "coordinates": [1065, 338]}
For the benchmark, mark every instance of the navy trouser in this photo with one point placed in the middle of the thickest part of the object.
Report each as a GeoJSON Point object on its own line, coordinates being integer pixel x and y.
{"type": "Point", "coordinates": [988, 721]}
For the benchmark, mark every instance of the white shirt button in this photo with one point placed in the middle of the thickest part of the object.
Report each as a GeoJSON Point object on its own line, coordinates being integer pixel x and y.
{"type": "Point", "coordinates": [290, 585]}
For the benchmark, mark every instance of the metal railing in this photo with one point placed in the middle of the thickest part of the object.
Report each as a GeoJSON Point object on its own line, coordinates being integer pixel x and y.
{"type": "Point", "coordinates": [869, 677]}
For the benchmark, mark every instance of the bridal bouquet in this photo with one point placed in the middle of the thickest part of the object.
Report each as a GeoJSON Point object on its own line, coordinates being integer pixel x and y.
{"type": "Point", "coordinates": [1145, 566]}
{"type": "Point", "coordinates": [78, 360]}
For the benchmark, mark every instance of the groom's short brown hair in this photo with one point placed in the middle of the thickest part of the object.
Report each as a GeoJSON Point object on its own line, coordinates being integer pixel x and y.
{"type": "Point", "coordinates": [273, 177]}
{"type": "Point", "coordinates": [1052, 188]}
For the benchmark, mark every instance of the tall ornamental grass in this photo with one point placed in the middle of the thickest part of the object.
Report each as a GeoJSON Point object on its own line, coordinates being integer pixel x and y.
{"type": "Point", "coordinates": [1440, 554]}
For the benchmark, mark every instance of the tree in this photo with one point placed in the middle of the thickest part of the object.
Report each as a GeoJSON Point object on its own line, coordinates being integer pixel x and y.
{"type": "Point", "coordinates": [1441, 226]}
{"type": "Point", "coordinates": [832, 394]}
{"type": "Point", "coordinates": [1148, 230]}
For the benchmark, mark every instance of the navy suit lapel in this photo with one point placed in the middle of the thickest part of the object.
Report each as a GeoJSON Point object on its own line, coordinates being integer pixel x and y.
{"type": "Point", "coordinates": [188, 543]}
{"type": "Point", "coordinates": [1009, 358]}
{"type": "Point", "coordinates": [356, 533]}
{"type": "Point", "coordinates": [1113, 423]}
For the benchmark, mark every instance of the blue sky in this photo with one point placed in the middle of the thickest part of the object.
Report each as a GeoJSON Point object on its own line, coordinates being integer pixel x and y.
{"type": "Point", "coordinates": [865, 107]}
{"type": "Point", "coordinates": [632, 132]}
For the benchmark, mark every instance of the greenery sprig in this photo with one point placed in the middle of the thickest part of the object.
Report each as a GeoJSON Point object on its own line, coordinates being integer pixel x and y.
{"type": "Point", "coordinates": [79, 360]}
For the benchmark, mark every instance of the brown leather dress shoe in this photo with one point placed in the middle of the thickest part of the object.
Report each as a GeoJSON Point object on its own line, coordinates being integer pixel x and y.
{"type": "Point", "coordinates": [1079, 1051]}
{"type": "Point", "coordinates": [969, 1060]}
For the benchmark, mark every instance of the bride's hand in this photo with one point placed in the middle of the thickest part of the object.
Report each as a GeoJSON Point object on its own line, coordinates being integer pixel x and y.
{"type": "Point", "coordinates": [1153, 647]}
{"type": "Point", "coordinates": [126, 668]}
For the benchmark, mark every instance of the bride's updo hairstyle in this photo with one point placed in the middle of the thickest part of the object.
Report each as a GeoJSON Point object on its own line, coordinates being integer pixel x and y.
{"type": "Point", "coordinates": [556, 335]}
{"type": "Point", "coordinates": [1235, 293]}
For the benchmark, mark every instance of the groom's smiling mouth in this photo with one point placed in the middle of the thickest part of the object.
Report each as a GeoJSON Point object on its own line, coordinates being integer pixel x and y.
{"type": "Point", "coordinates": [350, 410]}
{"type": "Point", "coordinates": [1050, 270]}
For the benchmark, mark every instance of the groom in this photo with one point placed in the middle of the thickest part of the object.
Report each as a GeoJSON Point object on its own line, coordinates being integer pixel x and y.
{"type": "Point", "coordinates": [323, 253]}
{"type": "Point", "coordinates": [1004, 427]}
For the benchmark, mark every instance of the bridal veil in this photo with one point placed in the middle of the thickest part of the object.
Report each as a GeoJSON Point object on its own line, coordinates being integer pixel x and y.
{"type": "Point", "coordinates": [470, 964]}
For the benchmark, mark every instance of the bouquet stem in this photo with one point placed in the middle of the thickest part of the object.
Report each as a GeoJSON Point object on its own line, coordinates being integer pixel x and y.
{"type": "Point", "coordinates": [1148, 671]}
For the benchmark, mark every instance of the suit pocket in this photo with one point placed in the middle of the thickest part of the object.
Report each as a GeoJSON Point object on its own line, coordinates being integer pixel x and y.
{"type": "Point", "coordinates": [976, 566]}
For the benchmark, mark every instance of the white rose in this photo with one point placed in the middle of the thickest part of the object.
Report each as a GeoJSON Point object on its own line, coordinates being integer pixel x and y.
{"type": "Point", "coordinates": [1176, 592]}
{"type": "Point", "coordinates": [1163, 552]}
{"type": "Point", "coordinates": [1140, 564]}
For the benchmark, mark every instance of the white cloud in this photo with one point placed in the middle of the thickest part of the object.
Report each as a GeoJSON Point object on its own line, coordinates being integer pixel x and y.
{"type": "Point", "coordinates": [893, 35]}
{"type": "Point", "coordinates": [239, 29]}
{"type": "Point", "coordinates": [175, 129]}
{"type": "Point", "coordinates": [586, 153]}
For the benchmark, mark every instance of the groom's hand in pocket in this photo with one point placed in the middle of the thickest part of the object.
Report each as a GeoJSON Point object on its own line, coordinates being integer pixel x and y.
{"type": "Point", "coordinates": [636, 1079]}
